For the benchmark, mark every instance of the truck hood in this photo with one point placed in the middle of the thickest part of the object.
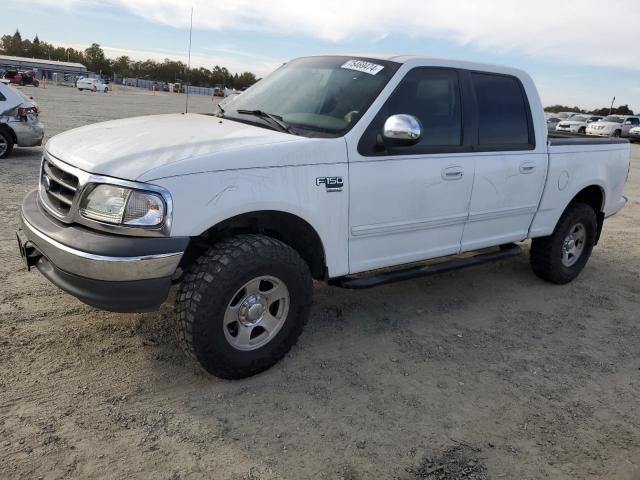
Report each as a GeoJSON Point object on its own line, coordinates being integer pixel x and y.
{"type": "Point", "coordinates": [130, 147]}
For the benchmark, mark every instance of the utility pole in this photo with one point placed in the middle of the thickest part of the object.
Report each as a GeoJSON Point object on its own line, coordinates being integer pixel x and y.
{"type": "Point", "coordinates": [611, 107]}
{"type": "Point", "coordinates": [186, 106]}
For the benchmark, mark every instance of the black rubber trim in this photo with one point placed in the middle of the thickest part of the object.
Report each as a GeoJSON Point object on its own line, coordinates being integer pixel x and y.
{"type": "Point", "coordinates": [559, 139]}
{"type": "Point", "coordinates": [129, 296]}
{"type": "Point", "coordinates": [91, 241]}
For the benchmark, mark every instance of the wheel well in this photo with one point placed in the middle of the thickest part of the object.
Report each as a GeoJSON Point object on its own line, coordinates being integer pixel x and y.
{"type": "Point", "coordinates": [10, 131]}
{"type": "Point", "coordinates": [286, 227]}
{"type": "Point", "coordinates": [594, 197]}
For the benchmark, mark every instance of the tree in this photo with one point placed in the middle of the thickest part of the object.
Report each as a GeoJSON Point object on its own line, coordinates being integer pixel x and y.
{"type": "Point", "coordinates": [95, 59]}
{"type": "Point", "coordinates": [121, 66]}
{"type": "Point", "coordinates": [562, 108]}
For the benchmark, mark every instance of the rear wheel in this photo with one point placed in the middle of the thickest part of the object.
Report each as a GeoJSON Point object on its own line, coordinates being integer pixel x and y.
{"type": "Point", "coordinates": [243, 304]}
{"type": "Point", "coordinates": [6, 143]}
{"type": "Point", "coordinates": [106, 89]}
{"type": "Point", "coordinates": [560, 257]}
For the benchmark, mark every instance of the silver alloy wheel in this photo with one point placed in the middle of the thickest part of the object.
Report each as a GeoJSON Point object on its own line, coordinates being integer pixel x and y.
{"type": "Point", "coordinates": [3, 145]}
{"type": "Point", "coordinates": [573, 244]}
{"type": "Point", "coordinates": [256, 313]}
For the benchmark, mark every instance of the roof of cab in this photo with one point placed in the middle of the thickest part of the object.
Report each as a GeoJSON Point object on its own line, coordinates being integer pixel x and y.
{"type": "Point", "coordinates": [404, 58]}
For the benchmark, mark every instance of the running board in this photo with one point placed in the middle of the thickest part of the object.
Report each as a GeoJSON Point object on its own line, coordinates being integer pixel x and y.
{"type": "Point", "coordinates": [508, 250]}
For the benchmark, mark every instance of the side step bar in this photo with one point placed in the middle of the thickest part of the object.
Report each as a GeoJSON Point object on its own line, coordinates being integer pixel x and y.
{"type": "Point", "coordinates": [508, 250]}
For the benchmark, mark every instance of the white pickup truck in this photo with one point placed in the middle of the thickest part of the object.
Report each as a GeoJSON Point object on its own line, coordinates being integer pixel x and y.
{"type": "Point", "coordinates": [349, 170]}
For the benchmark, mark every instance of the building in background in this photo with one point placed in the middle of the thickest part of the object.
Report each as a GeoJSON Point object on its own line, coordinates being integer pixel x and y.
{"type": "Point", "coordinates": [49, 69]}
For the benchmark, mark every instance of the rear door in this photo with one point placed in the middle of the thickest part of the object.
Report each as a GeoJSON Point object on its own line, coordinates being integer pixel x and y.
{"type": "Point", "coordinates": [509, 170]}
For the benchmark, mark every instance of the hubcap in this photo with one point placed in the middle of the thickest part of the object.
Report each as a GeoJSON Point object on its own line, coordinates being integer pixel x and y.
{"type": "Point", "coordinates": [256, 313]}
{"type": "Point", "coordinates": [573, 245]}
{"type": "Point", "coordinates": [3, 145]}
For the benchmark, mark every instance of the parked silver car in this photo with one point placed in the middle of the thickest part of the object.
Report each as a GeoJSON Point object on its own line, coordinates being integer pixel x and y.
{"type": "Point", "coordinates": [629, 123]}
{"type": "Point", "coordinates": [19, 120]}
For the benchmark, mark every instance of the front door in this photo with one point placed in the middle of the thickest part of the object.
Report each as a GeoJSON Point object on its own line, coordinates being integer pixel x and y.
{"type": "Point", "coordinates": [411, 203]}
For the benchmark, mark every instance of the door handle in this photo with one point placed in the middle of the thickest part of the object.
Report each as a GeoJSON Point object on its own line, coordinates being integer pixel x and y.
{"type": "Point", "coordinates": [452, 173]}
{"type": "Point", "coordinates": [527, 167]}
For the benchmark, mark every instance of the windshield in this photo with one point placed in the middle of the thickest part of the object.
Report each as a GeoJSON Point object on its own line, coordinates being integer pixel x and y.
{"type": "Point", "coordinates": [611, 118]}
{"type": "Point", "coordinates": [315, 96]}
{"type": "Point", "coordinates": [578, 118]}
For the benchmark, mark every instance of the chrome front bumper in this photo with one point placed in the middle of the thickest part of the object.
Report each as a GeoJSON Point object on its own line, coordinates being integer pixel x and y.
{"type": "Point", "coordinates": [101, 267]}
{"type": "Point", "coordinates": [108, 271]}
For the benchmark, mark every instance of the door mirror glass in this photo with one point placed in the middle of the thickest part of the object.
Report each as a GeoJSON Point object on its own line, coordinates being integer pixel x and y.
{"type": "Point", "coordinates": [402, 129]}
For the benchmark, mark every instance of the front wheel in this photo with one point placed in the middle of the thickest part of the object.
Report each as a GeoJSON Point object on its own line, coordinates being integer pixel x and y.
{"type": "Point", "coordinates": [106, 89]}
{"type": "Point", "coordinates": [617, 134]}
{"type": "Point", "coordinates": [560, 257]}
{"type": "Point", "coordinates": [243, 304]}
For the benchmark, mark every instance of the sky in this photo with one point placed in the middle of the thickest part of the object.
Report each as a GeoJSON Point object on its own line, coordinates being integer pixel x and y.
{"type": "Point", "coordinates": [579, 52]}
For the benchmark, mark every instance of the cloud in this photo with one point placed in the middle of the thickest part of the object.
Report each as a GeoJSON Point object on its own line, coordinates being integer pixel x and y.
{"type": "Point", "coordinates": [590, 32]}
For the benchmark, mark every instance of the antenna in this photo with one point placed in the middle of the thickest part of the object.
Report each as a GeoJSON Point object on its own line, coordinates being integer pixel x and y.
{"type": "Point", "coordinates": [186, 106]}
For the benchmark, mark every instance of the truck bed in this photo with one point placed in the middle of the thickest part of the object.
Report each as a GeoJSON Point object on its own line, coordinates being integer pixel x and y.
{"type": "Point", "coordinates": [562, 139]}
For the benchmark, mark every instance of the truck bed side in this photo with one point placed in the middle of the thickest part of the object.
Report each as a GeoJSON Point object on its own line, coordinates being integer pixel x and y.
{"type": "Point", "coordinates": [577, 163]}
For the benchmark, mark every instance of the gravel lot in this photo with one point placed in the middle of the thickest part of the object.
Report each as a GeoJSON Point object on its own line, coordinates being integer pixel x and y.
{"type": "Point", "coordinates": [481, 373]}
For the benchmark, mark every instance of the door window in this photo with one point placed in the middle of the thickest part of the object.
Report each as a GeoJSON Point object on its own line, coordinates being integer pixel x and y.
{"type": "Point", "coordinates": [433, 96]}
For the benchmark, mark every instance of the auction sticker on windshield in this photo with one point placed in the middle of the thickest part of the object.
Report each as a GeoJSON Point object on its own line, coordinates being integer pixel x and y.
{"type": "Point", "coordinates": [362, 66]}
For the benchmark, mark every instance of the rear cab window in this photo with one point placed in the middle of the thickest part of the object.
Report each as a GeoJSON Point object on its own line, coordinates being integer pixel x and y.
{"type": "Point", "coordinates": [504, 117]}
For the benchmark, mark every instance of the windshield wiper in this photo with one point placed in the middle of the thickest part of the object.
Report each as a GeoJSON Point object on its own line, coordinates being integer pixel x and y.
{"type": "Point", "coordinates": [221, 112]}
{"type": "Point", "coordinates": [282, 125]}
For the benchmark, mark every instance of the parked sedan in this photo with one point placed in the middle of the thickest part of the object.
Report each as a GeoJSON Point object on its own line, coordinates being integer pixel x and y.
{"type": "Point", "coordinates": [634, 134]}
{"type": "Point", "coordinates": [577, 123]}
{"type": "Point", "coordinates": [93, 84]}
{"type": "Point", "coordinates": [19, 122]}
{"type": "Point", "coordinates": [609, 126]}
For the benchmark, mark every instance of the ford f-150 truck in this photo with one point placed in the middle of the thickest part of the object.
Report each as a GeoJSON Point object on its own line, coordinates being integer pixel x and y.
{"type": "Point", "coordinates": [357, 171]}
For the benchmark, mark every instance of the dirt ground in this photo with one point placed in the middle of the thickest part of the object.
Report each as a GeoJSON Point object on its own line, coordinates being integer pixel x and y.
{"type": "Point", "coordinates": [483, 373]}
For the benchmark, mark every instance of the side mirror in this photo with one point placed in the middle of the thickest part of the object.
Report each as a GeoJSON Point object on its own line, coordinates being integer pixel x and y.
{"type": "Point", "coordinates": [402, 130]}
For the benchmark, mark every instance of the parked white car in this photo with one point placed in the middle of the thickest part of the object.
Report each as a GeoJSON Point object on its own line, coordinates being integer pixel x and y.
{"type": "Point", "coordinates": [92, 84]}
{"type": "Point", "coordinates": [577, 123]}
{"type": "Point", "coordinates": [334, 168]}
{"type": "Point", "coordinates": [609, 126]}
{"type": "Point", "coordinates": [19, 120]}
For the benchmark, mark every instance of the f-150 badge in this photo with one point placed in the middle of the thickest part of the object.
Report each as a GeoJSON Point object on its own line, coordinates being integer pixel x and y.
{"type": "Point", "coordinates": [332, 184]}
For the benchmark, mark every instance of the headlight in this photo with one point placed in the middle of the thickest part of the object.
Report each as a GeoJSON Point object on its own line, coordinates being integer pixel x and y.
{"type": "Point", "coordinates": [123, 206]}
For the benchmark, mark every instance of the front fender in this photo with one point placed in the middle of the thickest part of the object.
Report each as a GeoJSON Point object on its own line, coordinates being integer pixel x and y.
{"type": "Point", "coordinates": [204, 200]}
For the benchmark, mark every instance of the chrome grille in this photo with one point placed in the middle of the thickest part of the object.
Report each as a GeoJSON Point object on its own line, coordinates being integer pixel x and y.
{"type": "Point", "coordinates": [58, 186]}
